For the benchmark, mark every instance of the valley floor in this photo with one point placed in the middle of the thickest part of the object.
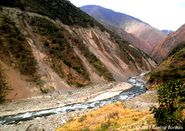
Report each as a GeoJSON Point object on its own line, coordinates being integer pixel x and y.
{"type": "Point", "coordinates": [59, 99]}
{"type": "Point", "coordinates": [49, 123]}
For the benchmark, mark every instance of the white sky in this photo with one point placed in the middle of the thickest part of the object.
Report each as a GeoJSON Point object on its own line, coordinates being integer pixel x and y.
{"type": "Point", "coordinates": [162, 14]}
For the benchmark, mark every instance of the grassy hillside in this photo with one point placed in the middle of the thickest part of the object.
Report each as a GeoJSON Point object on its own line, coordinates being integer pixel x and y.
{"type": "Point", "coordinates": [56, 44]}
{"type": "Point", "coordinates": [38, 42]}
{"type": "Point", "coordinates": [92, 59]}
{"type": "Point", "coordinates": [110, 117]}
{"type": "Point", "coordinates": [169, 78]}
{"type": "Point", "coordinates": [15, 49]}
{"type": "Point", "coordinates": [56, 9]}
{"type": "Point", "coordinates": [172, 68]}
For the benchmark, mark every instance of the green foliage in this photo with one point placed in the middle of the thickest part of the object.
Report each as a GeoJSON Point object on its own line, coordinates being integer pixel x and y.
{"type": "Point", "coordinates": [105, 126]}
{"type": "Point", "coordinates": [59, 48]}
{"type": "Point", "coordinates": [62, 49]}
{"type": "Point", "coordinates": [174, 67]}
{"type": "Point", "coordinates": [102, 70]}
{"type": "Point", "coordinates": [3, 87]}
{"type": "Point", "coordinates": [82, 118]}
{"type": "Point", "coordinates": [55, 9]}
{"type": "Point", "coordinates": [165, 75]}
{"type": "Point", "coordinates": [15, 45]}
{"type": "Point", "coordinates": [129, 54]}
{"type": "Point", "coordinates": [171, 97]}
{"type": "Point", "coordinates": [178, 48]}
{"type": "Point", "coordinates": [85, 129]}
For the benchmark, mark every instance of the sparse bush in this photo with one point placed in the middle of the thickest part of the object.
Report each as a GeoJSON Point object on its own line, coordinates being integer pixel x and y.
{"type": "Point", "coordinates": [85, 129]}
{"type": "Point", "coordinates": [105, 126]}
{"type": "Point", "coordinates": [82, 118]}
{"type": "Point", "coordinates": [92, 59]}
{"type": "Point", "coordinates": [17, 46]}
{"type": "Point", "coordinates": [171, 95]}
{"type": "Point", "coordinates": [63, 10]}
{"type": "Point", "coordinates": [59, 49]}
{"type": "Point", "coordinates": [178, 48]}
{"type": "Point", "coordinates": [3, 86]}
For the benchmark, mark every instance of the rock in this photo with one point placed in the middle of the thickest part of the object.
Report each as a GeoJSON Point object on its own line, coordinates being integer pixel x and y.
{"type": "Point", "coordinates": [33, 127]}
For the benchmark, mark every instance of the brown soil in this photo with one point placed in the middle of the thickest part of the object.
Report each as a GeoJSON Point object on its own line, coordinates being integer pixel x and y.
{"type": "Point", "coordinates": [19, 87]}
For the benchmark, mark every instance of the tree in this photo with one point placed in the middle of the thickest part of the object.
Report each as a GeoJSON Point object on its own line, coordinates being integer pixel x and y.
{"type": "Point", "coordinates": [171, 97]}
{"type": "Point", "coordinates": [3, 87]}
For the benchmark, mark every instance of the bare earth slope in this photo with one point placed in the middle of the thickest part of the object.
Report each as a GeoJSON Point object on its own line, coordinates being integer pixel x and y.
{"type": "Point", "coordinates": [52, 51]}
{"type": "Point", "coordinates": [163, 49]}
{"type": "Point", "coordinates": [141, 30]}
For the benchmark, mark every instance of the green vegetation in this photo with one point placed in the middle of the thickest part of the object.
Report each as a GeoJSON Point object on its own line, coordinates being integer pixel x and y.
{"type": "Point", "coordinates": [102, 70]}
{"type": "Point", "coordinates": [59, 49]}
{"type": "Point", "coordinates": [113, 117]}
{"type": "Point", "coordinates": [64, 11]}
{"type": "Point", "coordinates": [165, 75]}
{"type": "Point", "coordinates": [105, 126]}
{"type": "Point", "coordinates": [3, 86]}
{"type": "Point", "coordinates": [58, 44]}
{"type": "Point", "coordinates": [14, 46]}
{"type": "Point", "coordinates": [178, 48]}
{"type": "Point", "coordinates": [55, 9]}
{"type": "Point", "coordinates": [171, 103]}
{"type": "Point", "coordinates": [126, 51]}
{"type": "Point", "coordinates": [171, 69]}
{"type": "Point", "coordinates": [170, 80]}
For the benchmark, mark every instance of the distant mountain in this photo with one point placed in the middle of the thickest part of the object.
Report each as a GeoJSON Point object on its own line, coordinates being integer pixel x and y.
{"type": "Point", "coordinates": [167, 31]}
{"type": "Point", "coordinates": [135, 41]}
{"type": "Point", "coordinates": [132, 25]}
{"type": "Point", "coordinates": [164, 48]}
{"type": "Point", "coordinates": [52, 45]}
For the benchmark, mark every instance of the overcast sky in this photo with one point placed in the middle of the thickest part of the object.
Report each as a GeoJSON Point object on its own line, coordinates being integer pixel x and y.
{"type": "Point", "coordinates": [162, 14]}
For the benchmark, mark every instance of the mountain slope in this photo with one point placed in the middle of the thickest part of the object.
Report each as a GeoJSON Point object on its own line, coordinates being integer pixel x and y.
{"type": "Point", "coordinates": [172, 68]}
{"type": "Point", "coordinates": [163, 49]}
{"type": "Point", "coordinates": [52, 45]}
{"type": "Point", "coordinates": [128, 23]}
{"type": "Point", "coordinates": [135, 41]}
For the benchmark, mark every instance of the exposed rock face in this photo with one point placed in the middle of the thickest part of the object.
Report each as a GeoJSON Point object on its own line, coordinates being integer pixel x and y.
{"type": "Point", "coordinates": [163, 49]}
{"type": "Point", "coordinates": [46, 50]}
{"type": "Point", "coordinates": [135, 41]}
{"type": "Point", "coordinates": [146, 36]}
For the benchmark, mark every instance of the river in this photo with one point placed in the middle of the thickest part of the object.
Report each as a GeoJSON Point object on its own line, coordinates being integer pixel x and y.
{"type": "Point", "coordinates": [137, 89]}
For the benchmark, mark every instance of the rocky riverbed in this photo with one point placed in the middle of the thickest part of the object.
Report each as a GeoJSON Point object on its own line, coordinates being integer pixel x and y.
{"type": "Point", "coordinates": [64, 106]}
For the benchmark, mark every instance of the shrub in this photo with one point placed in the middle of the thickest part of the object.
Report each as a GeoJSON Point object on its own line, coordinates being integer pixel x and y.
{"type": "Point", "coordinates": [82, 118]}
{"type": "Point", "coordinates": [85, 129]}
{"type": "Point", "coordinates": [171, 100]}
{"type": "Point", "coordinates": [93, 60]}
{"type": "Point", "coordinates": [57, 9]}
{"type": "Point", "coordinates": [105, 126]}
{"type": "Point", "coordinates": [3, 87]}
{"type": "Point", "coordinates": [58, 47]}
{"type": "Point", "coordinates": [18, 49]}
{"type": "Point", "coordinates": [178, 48]}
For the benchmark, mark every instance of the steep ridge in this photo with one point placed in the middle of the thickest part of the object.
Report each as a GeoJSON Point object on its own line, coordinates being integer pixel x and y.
{"type": "Point", "coordinates": [135, 41]}
{"type": "Point", "coordinates": [163, 49]}
{"type": "Point", "coordinates": [143, 31]}
{"type": "Point", "coordinates": [172, 68]}
{"type": "Point", "coordinates": [52, 45]}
